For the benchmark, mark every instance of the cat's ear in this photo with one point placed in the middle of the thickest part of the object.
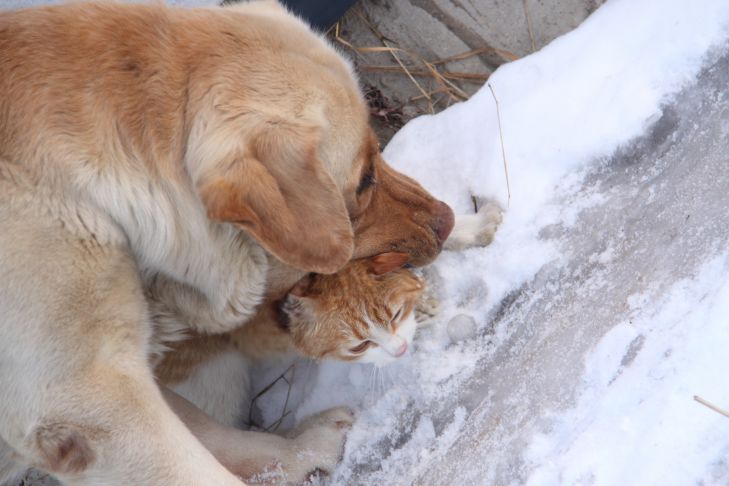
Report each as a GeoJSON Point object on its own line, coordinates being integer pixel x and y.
{"type": "Point", "coordinates": [387, 262]}
{"type": "Point", "coordinates": [292, 307]}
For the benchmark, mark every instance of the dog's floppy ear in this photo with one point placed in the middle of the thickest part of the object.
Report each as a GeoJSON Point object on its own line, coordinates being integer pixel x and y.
{"type": "Point", "coordinates": [279, 192]}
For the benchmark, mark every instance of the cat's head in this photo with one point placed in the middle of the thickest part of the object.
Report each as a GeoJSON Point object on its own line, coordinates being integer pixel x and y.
{"type": "Point", "coordinates": [362, 313]}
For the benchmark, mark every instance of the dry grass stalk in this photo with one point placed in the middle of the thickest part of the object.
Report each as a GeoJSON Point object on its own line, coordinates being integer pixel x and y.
{"type": "Point", "coordinates": [505, 55]}
{"type": "Point", "coordinates": [443, 79]}
{"type": "Point", "coordinates": [431, 93]}
{"type": "Point", "coordinates": [451, 75]}
{"type": "Point", "coordinates": [529, 25]}
{"type": "Point", "coordinates": [284, 412]}
{"type": "Point", "coordinates": [392, 50]}
{"type": "Point", "coordinates": [343, 41]}
{"type": "Point", "coordinates": [711, 406]}
{"type": "Point", "coordinates": [501, 138]}
{"type": "Point", "coordinates": [443, 82]}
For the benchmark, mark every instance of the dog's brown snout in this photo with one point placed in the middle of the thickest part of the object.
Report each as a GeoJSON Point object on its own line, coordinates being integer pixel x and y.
{"type": "Point", "coordinates": [444, 220]}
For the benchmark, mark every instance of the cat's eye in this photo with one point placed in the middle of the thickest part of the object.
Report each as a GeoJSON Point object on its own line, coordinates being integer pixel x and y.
{"type": "Point", "coordinates": [397, 315]}
{"type": "Point", "coordinates": [361, 347]}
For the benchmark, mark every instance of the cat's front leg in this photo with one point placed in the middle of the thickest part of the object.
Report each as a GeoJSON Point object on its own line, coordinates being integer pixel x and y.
{"type": "Point", "coordinates": [475, 230]}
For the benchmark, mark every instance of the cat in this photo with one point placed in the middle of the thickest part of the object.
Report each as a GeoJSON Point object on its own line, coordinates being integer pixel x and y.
{"type": "Point", "coordinates": [363, 313]}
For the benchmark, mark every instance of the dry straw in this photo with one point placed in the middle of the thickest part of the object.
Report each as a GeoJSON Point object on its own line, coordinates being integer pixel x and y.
{"type": "Point", "coordinates": [414, 66]}
{"type": "Point", "coordinates": [711, 406]}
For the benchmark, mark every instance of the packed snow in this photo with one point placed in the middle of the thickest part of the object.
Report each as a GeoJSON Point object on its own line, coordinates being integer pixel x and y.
{"type": "Point", "coordinates": [601, 305]}
{"type": "Point", "coordinates": [569, 351]}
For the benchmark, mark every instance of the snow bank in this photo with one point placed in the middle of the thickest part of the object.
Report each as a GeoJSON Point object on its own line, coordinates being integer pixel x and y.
{"type": "Point", "coordinates": [635, 421]}
{"type": "Point", "coordinates": [537, 396]}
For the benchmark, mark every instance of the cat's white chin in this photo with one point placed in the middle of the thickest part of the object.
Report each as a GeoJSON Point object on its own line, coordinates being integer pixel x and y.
{"type": "Point", "coordinates": [392, 347]}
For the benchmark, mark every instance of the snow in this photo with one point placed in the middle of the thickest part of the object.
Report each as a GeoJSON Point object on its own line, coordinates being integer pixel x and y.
{"type": "Point", "coordinates": [601, 307]}
{"type": "Point", "coordinates": [635, 415]}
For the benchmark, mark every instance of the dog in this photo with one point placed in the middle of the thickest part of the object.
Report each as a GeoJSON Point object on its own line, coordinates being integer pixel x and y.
{"type": "Point", "coordinates": [189, 160]}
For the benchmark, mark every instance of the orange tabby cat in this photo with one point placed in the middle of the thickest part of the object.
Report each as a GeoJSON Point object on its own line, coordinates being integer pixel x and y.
{"type": "Point", "coordinates": [363, 313]}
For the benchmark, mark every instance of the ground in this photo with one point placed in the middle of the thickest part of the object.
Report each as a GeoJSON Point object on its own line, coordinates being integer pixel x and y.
{"type": "Point", "coordinates": [601, 306]}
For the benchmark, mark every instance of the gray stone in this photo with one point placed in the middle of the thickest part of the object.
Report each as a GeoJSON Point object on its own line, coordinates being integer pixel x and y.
{"type": "Point", "coordinates": [461, 328]}
{"type": "Point", "coordinates": [433, 30]}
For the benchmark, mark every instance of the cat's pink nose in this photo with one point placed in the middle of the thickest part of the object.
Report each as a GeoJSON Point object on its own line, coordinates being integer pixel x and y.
{"type": "Point", "coordinates": [402, 349]}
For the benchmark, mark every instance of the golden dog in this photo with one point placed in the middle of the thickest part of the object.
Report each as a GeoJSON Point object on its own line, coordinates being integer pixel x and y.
{"type": "Point", "coordinates": [179, 162]}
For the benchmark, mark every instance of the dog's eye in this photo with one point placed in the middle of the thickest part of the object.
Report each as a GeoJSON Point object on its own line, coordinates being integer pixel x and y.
{"type": "Point", "coordinates": [368, 180]}
{"type": "Point", "coordinates": [361, 347]}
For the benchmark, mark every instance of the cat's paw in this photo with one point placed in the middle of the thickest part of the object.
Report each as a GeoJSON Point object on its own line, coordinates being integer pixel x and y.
{"type": "Point", "coordinates": [490, 217]}
{"type": "Point", "coordinates": [474, 230]}
{"type": "Point", "coordinates": [426, 308]}
{"type": "Point", "coordinates": [319, 443]}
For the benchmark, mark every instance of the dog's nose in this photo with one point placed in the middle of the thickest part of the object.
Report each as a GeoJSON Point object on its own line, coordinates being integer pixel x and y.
{"type": "Point", "coordinates": [444, 220]}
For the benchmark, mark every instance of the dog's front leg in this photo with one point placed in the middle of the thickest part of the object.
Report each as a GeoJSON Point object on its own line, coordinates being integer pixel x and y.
{"type": "Point", "coordinates": [219, 288]}
{"type": "Point", "coordinates": [176, 307]}
{"type": "Point", "coordinates": [79, 399]}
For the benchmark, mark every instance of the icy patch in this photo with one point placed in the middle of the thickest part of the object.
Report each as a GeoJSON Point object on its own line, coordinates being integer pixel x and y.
{"type": "Point", "coordinates": [636, 421]}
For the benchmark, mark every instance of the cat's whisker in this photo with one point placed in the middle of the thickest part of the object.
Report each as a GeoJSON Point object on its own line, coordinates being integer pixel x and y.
{"type": "Point", "coordinates": [375, 372]}
{"type": "Point", "coordinates": [373, 384]}
{"type": "Point", "coordinates": [380, 382]}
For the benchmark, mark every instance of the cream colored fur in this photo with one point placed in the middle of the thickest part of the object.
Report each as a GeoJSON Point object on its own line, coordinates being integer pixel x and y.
{"type": "Point", "coordinates": [98, 210]}
{"type": "Point", "coordinates": [161, 169]}
{"type": "Point", "coordinates": [79, 398]}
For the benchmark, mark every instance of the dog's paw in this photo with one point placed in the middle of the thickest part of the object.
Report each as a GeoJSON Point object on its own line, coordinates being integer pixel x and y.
{"type": "Point", "coordinates": [341, 418]}
{"type": "Point", "coordinates": [474, 230]}
{"type": "Point", "coordinates": [319, 443]}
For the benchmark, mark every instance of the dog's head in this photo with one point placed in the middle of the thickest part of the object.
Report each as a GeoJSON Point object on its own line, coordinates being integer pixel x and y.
{"type": "Point", "coordinates": [390, 212]}
{"type": "Point", "coordinates": [280, 146]}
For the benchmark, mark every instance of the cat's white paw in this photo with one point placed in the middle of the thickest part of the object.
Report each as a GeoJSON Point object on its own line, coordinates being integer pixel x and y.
{"type": "Point", "coordinates": [491, 217]}
{"type": "Point", "coordinates": [319, 443]}
{"type": "Point", "coordinates": [474, 230]}
{"type": "Point", "coordinates": [426, 308]}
